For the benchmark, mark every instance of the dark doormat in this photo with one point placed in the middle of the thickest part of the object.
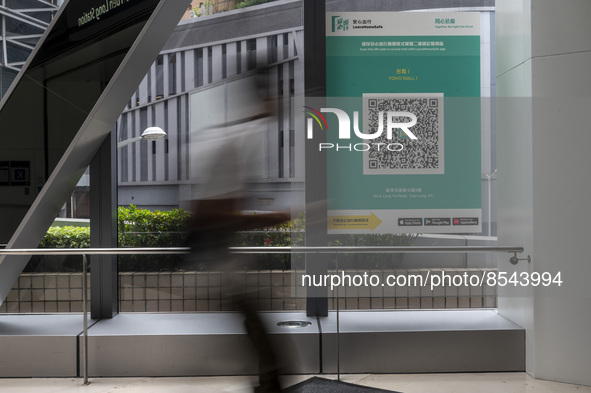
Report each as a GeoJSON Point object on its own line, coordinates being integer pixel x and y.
{"type": "Point", "coordinates": [322, 385]}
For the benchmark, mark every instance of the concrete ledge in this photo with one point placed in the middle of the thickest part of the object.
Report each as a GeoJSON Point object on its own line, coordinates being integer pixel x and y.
{"type": "Point", "coordinates": [196, 344]}
{"type": "Point", "coordinates": [422, 341]}
{"type": "Point", "coordinates": [39, 345]}
{"type": "Point", "coordinates": [163, 344]}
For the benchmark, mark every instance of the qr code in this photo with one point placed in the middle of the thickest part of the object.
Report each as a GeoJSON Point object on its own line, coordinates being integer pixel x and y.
{"type": "Point", "coordinates": [401, 154]}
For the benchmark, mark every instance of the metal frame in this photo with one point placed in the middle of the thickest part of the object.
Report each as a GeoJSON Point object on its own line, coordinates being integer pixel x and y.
{"type": "Point", "coordinates": [315, 168]}
{"type": "Point", "coordinates": [21, 15]}
{"type": "Point", "coordinates": [238, 250]}
{"type": "Point", "coordinates": [103, 227]}
{"type": "Point", "coordinates": [261, 250]}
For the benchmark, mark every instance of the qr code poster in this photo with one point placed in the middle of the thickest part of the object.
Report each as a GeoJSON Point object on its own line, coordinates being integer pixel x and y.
{"type": "Point", "coordinates": [403, 155]}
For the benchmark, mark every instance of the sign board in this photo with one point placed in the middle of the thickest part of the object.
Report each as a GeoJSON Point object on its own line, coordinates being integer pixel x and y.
{"type": "Point", "coordinates": [402, 122]}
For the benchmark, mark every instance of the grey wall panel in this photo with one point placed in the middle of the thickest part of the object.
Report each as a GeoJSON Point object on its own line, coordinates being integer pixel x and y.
{"type": "Point", "coordinates": [174, 355]}
{"type": "Point", "coordinates": [262, 52]}
{"type": "Point", "coordinates": [45, 356]}
{"type": "Point", "coordinates": [172, 128]}
{"type": "Point", "coordinates": [122, 131]}
{"type": "Point", "coordinates": [143, 90]}
{"type": "Point", "coordinates": [144, 169]}
{"type": "Point", "coordinates": [205, 67]}
{"type": "Point", "coordinates": [297, 104]}
{"type": "Point", "coordinates": [243, 57]}
{"type": "Point", "coordinates": [217, 63]}
{"type": "Point", "coordinates": [180, 74]}
{"type": "Point", "coordinates": [422, 341]}
{"type": "Point", "coordinates": [424, 352]}
{"type": "Point", "coordinates": [195, 344]}
{"type": "Point", "coordinates": [39, 345]}
{"type": "Point", "coordinates": [282, 50]}
{"type": "Point", "coordinates": [160, 156]}
{"type": "Point", "coordinates": [285, 103]}
{"type": "Point", "coordinates": [184, 138]}
{"type": "Point", "coordinates": [146, 146]}
{"type": "Point", "coordinates": [152, 84]}
{"type": "Point", "coordinates": [133, 100]}
{"type": "Point", "coordinates": [135, 147]}
{"type": "Point", "coordinates": [188, 355]}
{"type": "Point", "coordinates": [165, 75]}
{"type": "Point", "coordinates": [129, 163]}
{"type": "Point", "coordinates": [231, 68]}
{"type": "Point", "coordinates": [272, 139]}
{"type": "Point", "coordinates": [291, 51]}
{"type": "Point", "coordinates": [189, 74]}
{"type": "Point", "coordinates": [162, 197]}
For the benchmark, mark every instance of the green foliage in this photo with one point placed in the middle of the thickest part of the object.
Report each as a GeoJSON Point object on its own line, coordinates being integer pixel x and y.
{"type": "Point", "coordinates": [146, 228]}
{"type": "Point", "coordinates": [66, 237]}
{"type": "Point", "coordinates": [248, 3]}
{"type": "Point", "coordinates": [60, 237]}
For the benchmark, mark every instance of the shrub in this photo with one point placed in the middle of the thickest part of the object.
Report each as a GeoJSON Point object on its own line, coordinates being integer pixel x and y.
{"type": "Point", "coordinates": [66, 237]}
{"type": "Point", "coordinates": [146, 228]}
{"type": "Point", "coordinates": [248, 3]}
{"type": "Point", "coordinates": [60, 237]}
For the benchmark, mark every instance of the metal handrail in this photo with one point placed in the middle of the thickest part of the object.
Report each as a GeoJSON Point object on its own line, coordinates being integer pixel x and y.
{"type": "Point", "coordinates": [84, 252]}
{"type": "Point", "coordinates": [260, 250]}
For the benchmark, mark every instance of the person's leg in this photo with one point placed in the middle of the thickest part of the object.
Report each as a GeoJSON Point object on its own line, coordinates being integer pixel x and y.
{"type": "Point", "coordinates": [268, 367]}
{"type": "Point", "coordinates": [235, 287]}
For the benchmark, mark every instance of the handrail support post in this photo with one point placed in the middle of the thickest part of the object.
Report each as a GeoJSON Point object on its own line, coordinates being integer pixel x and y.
{"type": "Point", "coordinates": [85, 320]}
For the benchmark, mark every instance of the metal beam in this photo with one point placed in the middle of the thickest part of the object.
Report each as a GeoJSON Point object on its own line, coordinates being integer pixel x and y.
{"type": "Point", "coordinates": [103, 229]}
{"type": "Point", "coordinates": [315, 163]}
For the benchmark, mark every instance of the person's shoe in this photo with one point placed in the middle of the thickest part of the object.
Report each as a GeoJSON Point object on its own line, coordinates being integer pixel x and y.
{"type": "Point", "coordinates": [268, 387]}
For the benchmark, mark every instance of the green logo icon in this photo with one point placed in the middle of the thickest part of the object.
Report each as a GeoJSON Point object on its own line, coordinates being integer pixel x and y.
{"type": "Point", "coordinates": [339, 24]}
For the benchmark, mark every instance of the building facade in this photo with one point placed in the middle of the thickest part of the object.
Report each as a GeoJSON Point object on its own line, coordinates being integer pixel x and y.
{"type": "Point", "coordinates": [204, 53]}
{"type": "Point", "coordinates": [22, 22]}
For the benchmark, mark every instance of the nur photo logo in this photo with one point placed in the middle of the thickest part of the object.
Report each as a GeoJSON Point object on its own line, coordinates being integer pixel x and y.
{"type": "Point", "coordinates": [388, 121]}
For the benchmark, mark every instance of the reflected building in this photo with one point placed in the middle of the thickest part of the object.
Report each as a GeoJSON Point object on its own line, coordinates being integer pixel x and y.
{"type": "Point", "coordinates": [201, 58]}
{"type": "Point", "coordinates": [22, 22]}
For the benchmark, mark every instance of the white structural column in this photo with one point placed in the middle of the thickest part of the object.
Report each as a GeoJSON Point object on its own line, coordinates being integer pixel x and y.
{"type": "Point", "coordinates": [544, 183]}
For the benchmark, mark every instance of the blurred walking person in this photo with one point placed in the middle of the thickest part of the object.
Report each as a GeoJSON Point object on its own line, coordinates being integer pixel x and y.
{"type": "Point", "coordinates": [224, 157]}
